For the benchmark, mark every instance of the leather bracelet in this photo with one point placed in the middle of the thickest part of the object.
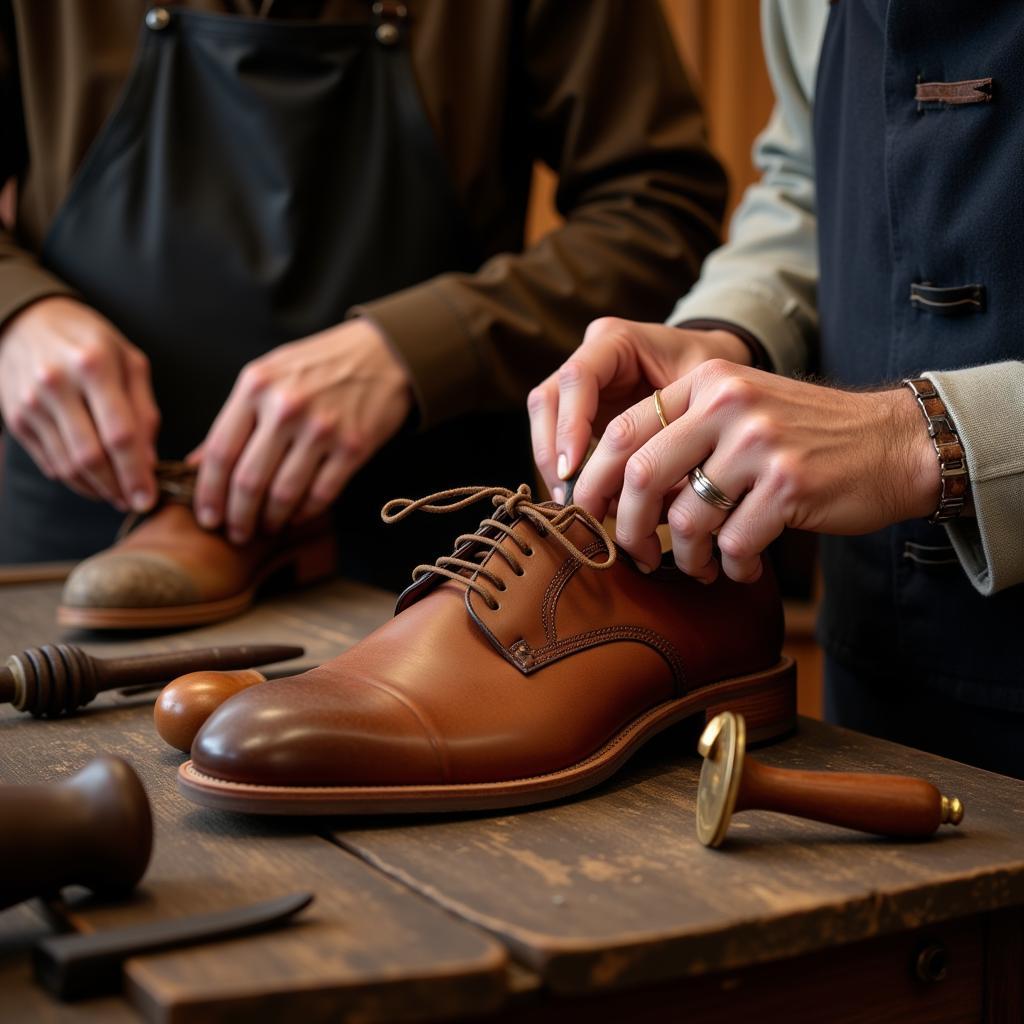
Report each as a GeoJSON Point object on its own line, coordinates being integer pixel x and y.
{"type": "Point", "coordinates": [955, 482]}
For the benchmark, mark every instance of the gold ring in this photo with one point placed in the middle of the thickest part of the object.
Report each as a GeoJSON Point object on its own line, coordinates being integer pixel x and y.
{"type": "Point", "coordinates": [707, 491]}
{"type": "Point", "coordinates": [660, 409]}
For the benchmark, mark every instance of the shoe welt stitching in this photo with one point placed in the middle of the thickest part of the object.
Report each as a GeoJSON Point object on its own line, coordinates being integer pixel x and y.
{"type": "Point", "coordinates": [633, 727]}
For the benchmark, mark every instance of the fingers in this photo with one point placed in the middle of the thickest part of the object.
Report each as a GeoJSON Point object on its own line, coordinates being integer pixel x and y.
{"type": "Point", "coordinates": [82, 452]}
{"type": "Point", "coordinates": [639, 462]}
{"type": "Point", "coordinates": [579, 384]}
{"type": "Point", "coordinates": [326, 486]}
{"type": "Point", "coordinates": [220, 452]}
{"type": "Point", "coordinates": [56, 456]}
{"type": "Point", "coordinates": [563, 409]}
{"type": "Point", "coordinates": [747, 532]}
{"type": "Point", "coordinates": [292, 483]}
{"type": "Point", "coordinates": [34, 446]}
{"type": "Point", "coordinates": [693, 521]}
{"type": "Point", "coordinates": [542, 405]}
{"type": "Point", "coordinates": [251, 478]}
{"type": "Point", "coordinates": [140, 395]}
{"type": "Point", "coordinates": [120, 435]}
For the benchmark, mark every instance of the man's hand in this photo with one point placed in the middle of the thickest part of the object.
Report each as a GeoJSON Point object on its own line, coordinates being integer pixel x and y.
{"type": "Point", "coordinates": [298, 423]}
{"type": "Point", "coordinates": [618, 364]}
{"type": "Point", "coordinates": [793, 454]}
{"type": "Point", "coordinates": [77, 394]}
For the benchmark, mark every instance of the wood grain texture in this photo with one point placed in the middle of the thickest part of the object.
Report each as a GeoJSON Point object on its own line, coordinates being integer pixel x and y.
{"type": "Point", "coordinates": [613, 889]}
{"type": "Point", "coordinates": [869, 982]}
{"type": "Point", "coordinates": [367, 949]}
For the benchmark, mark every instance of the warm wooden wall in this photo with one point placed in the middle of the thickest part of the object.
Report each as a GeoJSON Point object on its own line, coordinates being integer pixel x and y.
{"type": "Point", "coordinates": [720, 43]}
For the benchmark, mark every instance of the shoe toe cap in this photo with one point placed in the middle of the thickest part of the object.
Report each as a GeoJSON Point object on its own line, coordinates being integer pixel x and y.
{"type": "Point", "coordinates": [308, 731]}
{"type": "Point", "coordinates": [129, 581]}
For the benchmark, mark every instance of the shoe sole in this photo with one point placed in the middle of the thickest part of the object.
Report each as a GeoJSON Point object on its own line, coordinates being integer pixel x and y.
{"type": "Point", "coordinates": [766, 699]}
{"type": "Point", "coordinates": [311, 562]}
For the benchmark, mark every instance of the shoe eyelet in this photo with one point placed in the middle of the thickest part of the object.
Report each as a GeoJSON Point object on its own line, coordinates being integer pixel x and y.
{"type": "Point", "coordinates": [522, 572]}
{"type": "Point", "coordinates": [528, 552]}
{"type": "Point", "coordinates": [495, 607]}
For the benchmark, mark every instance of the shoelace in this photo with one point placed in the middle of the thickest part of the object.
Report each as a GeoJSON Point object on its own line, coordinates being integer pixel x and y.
{"type": "Point", "coordinates": [553, 520]}
{"type": "Point", "coordinates": [175, 482]}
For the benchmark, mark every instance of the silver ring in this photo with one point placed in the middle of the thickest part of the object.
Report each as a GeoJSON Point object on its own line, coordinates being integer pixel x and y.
{"type": "Point", "coordinates": [707, 491]}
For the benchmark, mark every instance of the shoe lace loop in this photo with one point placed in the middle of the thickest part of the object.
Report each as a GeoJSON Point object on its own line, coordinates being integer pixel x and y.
{"type": "Point", "coordinates": [551, 520]}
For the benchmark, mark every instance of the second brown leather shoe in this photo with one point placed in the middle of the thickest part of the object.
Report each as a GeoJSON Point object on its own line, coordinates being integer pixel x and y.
{"type": "Point", "coordinates": [527, 666]}
{"type": "Point", "coordinates": [169, 572]}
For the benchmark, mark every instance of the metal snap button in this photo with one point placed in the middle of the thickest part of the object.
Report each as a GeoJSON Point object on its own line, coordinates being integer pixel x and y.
{"type": "Point", "coordinates": [387, 34]}
{"type": "Point", "coordinates": [158, 18]}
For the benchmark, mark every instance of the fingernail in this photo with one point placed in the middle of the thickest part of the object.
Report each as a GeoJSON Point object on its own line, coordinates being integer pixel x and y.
{"type": "Point", "coordinates": [559, 495]}
{"type": "Point", "coordinates": [207, 518]}
{"type": "Point", "coordinates": [645, 568]}
{"type": "Point", "coordinates": [238, 538]}
{"type": "Point", "coordinates": [141, 501]}
{"type": "Point", "coordinates": [563, 465]}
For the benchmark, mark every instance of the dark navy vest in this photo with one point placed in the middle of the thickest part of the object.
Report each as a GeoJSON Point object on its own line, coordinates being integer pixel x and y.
{"type": "Point", "coordinates": [914, 196]}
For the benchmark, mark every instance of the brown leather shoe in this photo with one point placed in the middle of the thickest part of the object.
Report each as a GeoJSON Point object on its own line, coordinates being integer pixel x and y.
{"type": "Point", "coordinates": [169, 572]}
{"type": "Point", "coordinates": [527, 666]}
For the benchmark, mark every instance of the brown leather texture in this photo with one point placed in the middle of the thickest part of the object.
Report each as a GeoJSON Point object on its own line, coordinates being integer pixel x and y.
{"type": "Point", "coordinates": [170, 560]}
{"type": "Point", "coordinates": [516, 677]}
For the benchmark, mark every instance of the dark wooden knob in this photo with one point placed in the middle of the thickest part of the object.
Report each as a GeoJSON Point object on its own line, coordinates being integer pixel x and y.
{"type": "Point", "coordinates": [92, 829]}
{"type": "Point", "coordinates": [57, 679]}
{"type": "Point", "coordinates": [886, 805]}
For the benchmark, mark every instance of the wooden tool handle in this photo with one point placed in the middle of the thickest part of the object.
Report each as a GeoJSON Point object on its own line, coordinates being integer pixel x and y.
{"type": "Point", "coordinates": [92, 829]}
{"type": "Point", "coordinates": [886, 805]}
{"type": "Point", "coordinates": [58, 678]}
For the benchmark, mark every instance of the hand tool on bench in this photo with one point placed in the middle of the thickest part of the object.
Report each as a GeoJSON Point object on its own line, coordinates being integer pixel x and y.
{"type": "Point", "coordinates": [885, 805]}
{"type": "Point", "coordinates": [57, 679]}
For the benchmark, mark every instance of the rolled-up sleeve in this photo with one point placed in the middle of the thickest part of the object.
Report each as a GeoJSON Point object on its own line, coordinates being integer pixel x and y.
{"type": "Point", "coordinates": [986, 405]}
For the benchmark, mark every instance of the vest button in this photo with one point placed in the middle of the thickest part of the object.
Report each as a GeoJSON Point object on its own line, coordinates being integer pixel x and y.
{"type": "Point", "coordinates": [157, 18]}
{"type": "Point", "coordinates": [387, 34]}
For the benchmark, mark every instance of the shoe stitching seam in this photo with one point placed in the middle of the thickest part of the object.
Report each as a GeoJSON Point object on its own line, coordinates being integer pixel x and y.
{"type": "Point", "coordinates": [435, 741]}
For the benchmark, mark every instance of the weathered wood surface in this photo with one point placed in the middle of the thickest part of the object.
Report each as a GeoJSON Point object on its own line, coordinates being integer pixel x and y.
{"type": "Point", "coordinates": [324, 619]}
{"type": "Point", "coordinates": [613, 889]}
{"type": "Point", "coordinates": [367, 949]}
{"type": "Point", "coordinates": [595, 895]}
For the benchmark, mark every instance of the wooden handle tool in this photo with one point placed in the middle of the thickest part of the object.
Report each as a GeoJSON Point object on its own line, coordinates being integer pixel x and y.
{"type": "Point", "coordinates": [57, 679]}
{"type": "Point", "coordinates": [885, 805]}
{"type": "Point", "coordinates": [93, 829]}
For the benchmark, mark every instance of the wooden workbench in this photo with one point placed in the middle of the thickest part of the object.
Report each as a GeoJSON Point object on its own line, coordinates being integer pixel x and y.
{"type": "Point", "coordinates": [599, 908]}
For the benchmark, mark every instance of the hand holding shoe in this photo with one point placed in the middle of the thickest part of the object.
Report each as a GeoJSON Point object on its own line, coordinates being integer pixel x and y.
{"type": "Point", "coordinates": [619, 364]}
{"type": "Point", "coordinates": [786, 452]}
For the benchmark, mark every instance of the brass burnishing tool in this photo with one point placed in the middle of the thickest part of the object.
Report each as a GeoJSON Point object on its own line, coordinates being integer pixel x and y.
{"type": "Point", "coordinates": [93, 828]}
{"type": "Point", "coordinates": [885, 805]}
{"type": "Point", "coordinates": [57, 679]}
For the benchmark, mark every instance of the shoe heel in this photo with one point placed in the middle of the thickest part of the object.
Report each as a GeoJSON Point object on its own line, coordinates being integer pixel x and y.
{"type": "Point", "coordinates": [315, 560]}
{"type": "Point", "coordinates": [766, 700]}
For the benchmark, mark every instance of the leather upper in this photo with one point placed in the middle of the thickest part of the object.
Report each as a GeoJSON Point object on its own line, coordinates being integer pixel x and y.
{"type": "Point", "coordinates": [452, 690]}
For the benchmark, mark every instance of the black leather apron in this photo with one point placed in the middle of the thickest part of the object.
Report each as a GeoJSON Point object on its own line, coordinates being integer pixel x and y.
{"type": "Point", "coordinates": [258, 179]}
